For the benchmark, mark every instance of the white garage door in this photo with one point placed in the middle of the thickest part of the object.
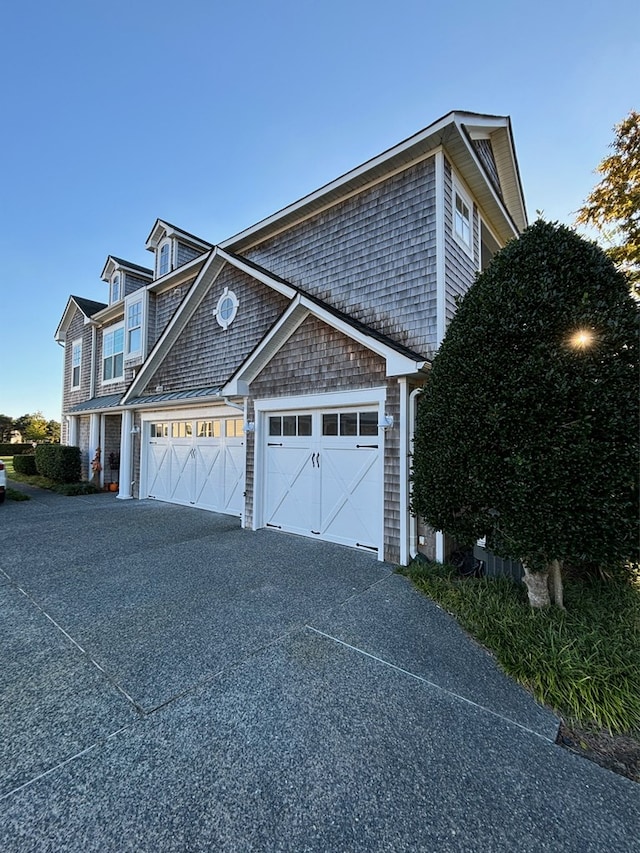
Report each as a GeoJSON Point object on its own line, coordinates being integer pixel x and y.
{"type": "Point", "coordinates": [197, 463]}
{"type": "Point", "coordinates": [323, 476]}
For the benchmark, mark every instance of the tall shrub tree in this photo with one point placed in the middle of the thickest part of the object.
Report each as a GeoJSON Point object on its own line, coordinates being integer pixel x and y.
{"type": "Point", "coordinates": [528, 426]}
{"type": "Point", "coordinates": [613, 206]}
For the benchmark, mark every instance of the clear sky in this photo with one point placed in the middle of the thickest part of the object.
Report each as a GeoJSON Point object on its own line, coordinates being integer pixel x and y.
{"type": "Point", "coordinates": [213, 115]}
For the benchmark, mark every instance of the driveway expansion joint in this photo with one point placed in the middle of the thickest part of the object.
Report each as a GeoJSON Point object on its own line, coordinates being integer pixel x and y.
{"type": "Point", "coordinates": [429, 683]}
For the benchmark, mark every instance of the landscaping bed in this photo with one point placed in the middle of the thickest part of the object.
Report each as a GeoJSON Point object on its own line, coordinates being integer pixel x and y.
{"type": "Point", "coordinates": [583, 663]}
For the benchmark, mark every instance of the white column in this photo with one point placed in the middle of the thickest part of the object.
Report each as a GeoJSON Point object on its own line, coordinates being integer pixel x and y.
{"type": "Point", "coordinates": [94, 443]}
{"type": "Point", "coordinates": [72, 431]}
{"type": "Point", "coordinates": [126, 450]}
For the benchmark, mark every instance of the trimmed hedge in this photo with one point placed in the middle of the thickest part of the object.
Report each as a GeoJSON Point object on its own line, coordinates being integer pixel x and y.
{"type": "Point", "coordinates": [58, 462]}
{"type": "Point", "coordinates": [25, 464]}
{"type": "Point", "coordinates": [11, 449]}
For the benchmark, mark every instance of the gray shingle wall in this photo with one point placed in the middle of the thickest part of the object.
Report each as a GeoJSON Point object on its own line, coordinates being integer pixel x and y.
{"type": "Point", "coordinates": [460, 268]}
{"type": "Point", "coordinates": [86, 453]}
{"type": "Point", "coordinates": [372, 256]}
{"type": "Point", "coordinates": [77, 331]}
{"type": "Point", "coordinates": [111, 445]}
{"type": "Point", "coordinates": [206, 354]}
{"type": "Point", "coordinates": [392, 475]}
{"type": "Point", "coordinates": [166, 305]}
{"type": "Point", "coordinates": [250, 445]}
{"type": "Point", "coordinates": [185, 253]}
{"type": "Point", "coordinates": [152, 333]}
{"type": "Point", "coordinates": [132, 283]}
{"type": "Point", "coordinates": [318, 359]}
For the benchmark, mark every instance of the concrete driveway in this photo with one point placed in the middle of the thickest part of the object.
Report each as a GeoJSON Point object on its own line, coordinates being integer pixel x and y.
{"type": "Point", "coordinates": [170, 682]}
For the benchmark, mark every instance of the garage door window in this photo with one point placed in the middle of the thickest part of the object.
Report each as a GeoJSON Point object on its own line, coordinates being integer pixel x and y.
{"type": "Point", "coordinates": [208, 429]}
{"type": "Point", "coordinates": [290, 425]}
{"type": "Point", "coordinates": [350, 423]}
{"type": "Point", "coordinates": [159, 431]}
{"type": "Point", "coordinates": [181, 429]}
{"type": "Point", "coordinates": [234, 428]}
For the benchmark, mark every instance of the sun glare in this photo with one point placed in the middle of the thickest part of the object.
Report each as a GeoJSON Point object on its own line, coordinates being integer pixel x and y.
{"type": "Point", "coordinates": [582, 339]}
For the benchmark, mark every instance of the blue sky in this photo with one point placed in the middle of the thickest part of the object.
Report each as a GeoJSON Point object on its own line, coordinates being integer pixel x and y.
{"type": "Point", "coordinates": [213, 115]}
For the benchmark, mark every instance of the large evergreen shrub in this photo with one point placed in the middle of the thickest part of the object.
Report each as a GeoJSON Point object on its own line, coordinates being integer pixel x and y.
{"type": "Point", "coordinates": [528, 427]}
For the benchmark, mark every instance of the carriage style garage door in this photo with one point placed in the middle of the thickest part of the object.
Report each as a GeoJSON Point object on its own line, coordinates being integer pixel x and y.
{"type": "Point", "coordinates": [198, 463]}
{"type": "Point", "coordinates": [323, 475]}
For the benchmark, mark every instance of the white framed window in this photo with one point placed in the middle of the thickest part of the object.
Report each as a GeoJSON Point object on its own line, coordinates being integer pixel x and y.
{"type": "Point", "coordinates": [227, 308]}
{"type": "Point", "coordinates": [76, 363]}
{"type": "Point", "coordinates": [116, 288]}
{"type": "Point", "coordinates": [462, 217]}
{"type": "Point", "coordinates": [133, 319]}
{"type": "Point", "coordinates": [113, 354]}
{"type": "Point", "coordinates": [164, 258]}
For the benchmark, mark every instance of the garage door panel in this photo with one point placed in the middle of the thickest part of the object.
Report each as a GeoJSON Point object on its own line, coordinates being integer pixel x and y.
{"type": "Point", "coordinates": [350, 492]}
{"type": "Point", "coordinates": [182, 465]}
{"type": "Point", "coordinates": [208, 476]}
{"type": "Point", "coordinates": [233, 489]}
{"type": "Point", "coordinates": [159, 468]}
{"type": "Point", "coordinates": [289, 489]}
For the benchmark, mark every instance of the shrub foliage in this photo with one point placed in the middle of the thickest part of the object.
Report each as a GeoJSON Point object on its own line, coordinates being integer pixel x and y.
{"type": "Point", "coordinates": [25, 464]}
{"type": "Point", "coordinates": [58, 462]}
{"type": "Point", "coordinates": [528, 427]}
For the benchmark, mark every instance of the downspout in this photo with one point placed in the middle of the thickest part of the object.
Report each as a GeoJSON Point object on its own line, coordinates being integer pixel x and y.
{"type": "Point", "coordinates": [441, 288]}
{"type": "Point", "coordinates": [413, 519]}
{"type": "Point", "coordinates": [404, 471]}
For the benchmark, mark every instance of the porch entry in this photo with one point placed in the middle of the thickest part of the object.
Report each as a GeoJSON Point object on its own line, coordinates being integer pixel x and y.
{"type": "Point", "coordinates": [323, 475]}
{"type": "Point", "coordinates": [197, 462]}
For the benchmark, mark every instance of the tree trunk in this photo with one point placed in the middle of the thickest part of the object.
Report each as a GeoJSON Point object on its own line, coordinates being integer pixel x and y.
{"type": "Point", "coordinates": [537, 584]}
{"type": "Point", "coordinates": [555, 578]}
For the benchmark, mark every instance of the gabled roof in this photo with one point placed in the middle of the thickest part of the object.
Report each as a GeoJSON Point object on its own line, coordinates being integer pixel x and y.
{"type": "Point", "coordinates": [400, 360]}
{"type": "Point", "coordinates": [454, 132]}
{"type": "Point", "coordinates": [88, 307]}
{"type": "Point", "coordinates": [112, 264]}
{"type": "Point", "coordinates": [162, 228]}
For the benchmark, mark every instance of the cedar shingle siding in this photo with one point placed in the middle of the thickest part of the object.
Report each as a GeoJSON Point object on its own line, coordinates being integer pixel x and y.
{"type": "Point", "coordinates": [206, 354]}
{"type": "Point", "coordinates": [78, 330]}
{"type": "Point", "coordinates": [184, 254]}
{"type": "Point", "coordinates": [460, 268]}
{"type": "Point", "coordinates": [373, 256]}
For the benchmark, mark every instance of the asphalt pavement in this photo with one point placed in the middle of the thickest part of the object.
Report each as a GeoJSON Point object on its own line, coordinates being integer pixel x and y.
{"type": "Point", "coordinates": [171, 682]}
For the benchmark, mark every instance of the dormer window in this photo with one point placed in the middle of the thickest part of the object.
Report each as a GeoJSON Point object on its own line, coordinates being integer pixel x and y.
{"type": "Point", "coordinates": [116, 290]}
{"type": "Point", "coordinates": [164, 259]}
